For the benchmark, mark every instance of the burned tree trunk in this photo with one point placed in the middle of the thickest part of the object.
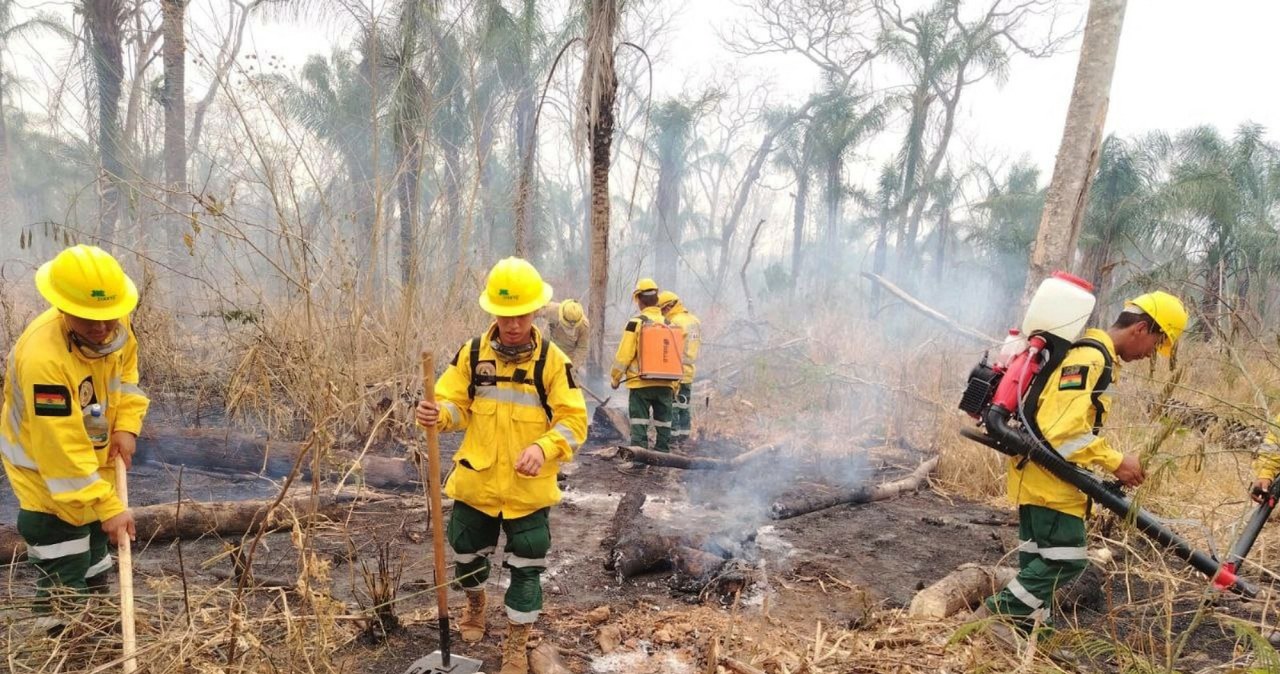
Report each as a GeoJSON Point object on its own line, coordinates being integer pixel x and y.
{"type": "Point", "coordinates": [167, 521]}
{"type": "Point", "coordinates": [241, 452]}
{"type": "Point", "coordinates": [667, 460]}
{"type": "Point", "coordinates": [801, 504]}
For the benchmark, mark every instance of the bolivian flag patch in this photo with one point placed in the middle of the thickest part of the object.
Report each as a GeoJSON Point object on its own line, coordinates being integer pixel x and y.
{"type": "Point", "coordinates": [1073, 377]}
{"type": "Point", "coordinates": [52, 400]}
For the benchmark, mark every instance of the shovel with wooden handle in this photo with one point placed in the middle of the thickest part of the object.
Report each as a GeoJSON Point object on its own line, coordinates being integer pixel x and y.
{"type": "Point", "coordinates": [124, 550]}
{"type": "Point", "coordinates": [441, 661]}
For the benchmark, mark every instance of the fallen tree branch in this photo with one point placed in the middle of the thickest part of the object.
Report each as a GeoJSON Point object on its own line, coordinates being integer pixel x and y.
{"type": "Point", "coordinates": [929, 311]}
{"type": "Point", "coordinates": [667, 460]}
{"type": "Point", "coordinates": [960, 590]}
{"type": "Point", "coordinates": [794, 506]}
{"type": "Point", "coordinates": [190, 519]}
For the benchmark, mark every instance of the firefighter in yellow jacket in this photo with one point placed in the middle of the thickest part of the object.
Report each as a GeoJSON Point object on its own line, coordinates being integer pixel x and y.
{"type": "Point", "coordinates": [1266, 465]}
{"type": "Point", "coordinates": [676, 314]}
{"type": "Point", "coordinates": [645, 397]}
{"type": "Point", "coordinates": [514, 395]}
{"type": "Point", "coordinates": [569, 329]}
{"type": "Point", "coordinates": [1071, 410]}
{"type": "Point", "coordinates": [77, 358]}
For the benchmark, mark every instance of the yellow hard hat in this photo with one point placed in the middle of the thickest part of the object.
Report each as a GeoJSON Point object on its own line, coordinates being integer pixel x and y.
{"type": "Point", "coordinates": [667, 297]}
{"type": "Point", "coordinates": [644, 285]}
{"type": "Point", "coordinates": [515, 288]}
{"type": "Point", "coordinates": [570, 313]}
{"type": "Point", "coordinates": [86, 282]}
{"type": "Point", "coordinates": [1168, 313]}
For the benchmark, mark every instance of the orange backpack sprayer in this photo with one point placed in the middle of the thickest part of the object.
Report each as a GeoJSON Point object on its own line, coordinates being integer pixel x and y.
{"type": "Point", "coordinates": [660, 347]}
{"type": "Point", "coordinates": [1003, 397]}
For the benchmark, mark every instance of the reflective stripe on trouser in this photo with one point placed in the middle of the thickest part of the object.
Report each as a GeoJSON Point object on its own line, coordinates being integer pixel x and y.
{"type": "Point", "coordinates": [473, 534]}
{"type": "Point", "coordinates": [681, 412]}
{"type": "Point", "coordinates": [1043, 530]}
{"type": "Point", "coordinates": [67, 558]}
{"type": "Point", "coordinates": [652, 401]}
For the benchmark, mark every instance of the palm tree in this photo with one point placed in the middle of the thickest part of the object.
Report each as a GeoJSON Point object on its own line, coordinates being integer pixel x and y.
{"type": "Point", "coordinates": [1122, 208]}
{"type": "Point", "coordinates": [332, 101]}
{"type": "Point", "coordinates": [1227, 189]}
{"type": "Point", "coordinates": [599, 90]}
{"type": "Point", "coordinates": [673, 124]}
{"type": "Point", "coordinates": [842, 121]}
{"type": "Point", "coordinates": [104, 20]}
{"type": "Point", "coordinates": [1007, 223]}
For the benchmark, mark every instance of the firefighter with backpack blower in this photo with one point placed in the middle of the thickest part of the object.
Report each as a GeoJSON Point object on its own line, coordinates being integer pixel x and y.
{"type": "Point", "coordinates": [649, 360]}
{"type": "Point", "coordinates": [513, 392]}
{"type": "Point", "coordinates": [1064, 408]}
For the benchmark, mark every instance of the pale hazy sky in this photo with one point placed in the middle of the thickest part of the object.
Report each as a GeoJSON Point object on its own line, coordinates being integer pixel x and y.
{"type": "Point", "coordinates": [1181, 63]}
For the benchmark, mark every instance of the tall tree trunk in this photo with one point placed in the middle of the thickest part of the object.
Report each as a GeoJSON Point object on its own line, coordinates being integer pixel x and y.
{"type": "Point", "coordinates": [526, 146]}
{"type": "Point", "coordinates": [11, 217]}
{"type": "Point", "coordinates": [940, 246]}
{"type": "Point", "coordinates": [1081, 141]}
{"type": "Point", "coordinates": [407, 196]}
{"type": "Point", "coordinates": [666, 234]}
{"type": "Point", "coordinates": [833, 194]}
{"type": "Point", "coordinates": [104, 19]}
{"type": "Point", "coordinates": [797, 225]}
{"type": "Point", "coordinates": [175, 117]}
{"type": "Point", "coordinates": [599, 89]}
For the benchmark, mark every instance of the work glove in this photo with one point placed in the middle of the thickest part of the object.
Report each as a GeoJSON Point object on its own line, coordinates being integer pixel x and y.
{"type": "Point", "coordinates": [615, 383]}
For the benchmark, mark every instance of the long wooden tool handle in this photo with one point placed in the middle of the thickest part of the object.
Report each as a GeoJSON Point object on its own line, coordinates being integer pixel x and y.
{"type": "Point", "coordinates": [124, 549]}
{"type": "Point", "coordinates": [437, 506]}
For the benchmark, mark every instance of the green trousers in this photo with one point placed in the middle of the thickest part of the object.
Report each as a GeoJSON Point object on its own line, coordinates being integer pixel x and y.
{"type": "Point", "coordinates": [71, 561]}
{"type": "Point", "coordinates": [1051, 554]}
{"type": "Point", "coordinates": [681, 418]}
{"type": "Point", "coordinates": [473, 536]}
{"type": "Point", "coordinates": [644, 402]}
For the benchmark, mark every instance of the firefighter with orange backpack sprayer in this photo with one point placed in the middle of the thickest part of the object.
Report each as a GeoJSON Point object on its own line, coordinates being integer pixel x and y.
{"type": "Point", "coordinates": [676, 314]}
{"type": "Point", "coordinates": [648, 359]}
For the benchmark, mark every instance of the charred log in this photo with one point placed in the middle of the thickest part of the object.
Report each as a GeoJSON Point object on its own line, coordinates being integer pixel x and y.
{"type": "Point", "coordinates": [666, 460]}
{"type": "Point", "coordinates": [961, 589]}
{"type": "Point", "coordinates": [245, 453]}
{"type": "Point", "coordinates": [233, 518]}
{"type": "Point", "coordinates": [628, 511]}
{"type": "Point", "coordinates": [795, 505]}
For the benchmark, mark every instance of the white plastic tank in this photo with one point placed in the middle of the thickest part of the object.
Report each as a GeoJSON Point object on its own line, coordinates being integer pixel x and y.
{"type": "Point", "coordinates": [1061, 306]}
{"type": "Point", "coordinates": [1013, 345]}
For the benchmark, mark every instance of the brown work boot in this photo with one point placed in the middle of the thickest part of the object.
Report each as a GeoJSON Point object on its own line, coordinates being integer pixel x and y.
{"type": "Point", "coordinates": [515, 656]}
{"type": "Point", "coordinates": [472, 623]}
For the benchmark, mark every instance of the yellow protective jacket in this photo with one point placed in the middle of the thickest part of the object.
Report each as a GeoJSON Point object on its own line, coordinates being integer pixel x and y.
{"type": "Point", "coordinates": [680, 317]}
{"type": "Point", "coordinates": [501, 418]}
{"type": "Point", "coordinates": [51, 462]}
{"type": "Point", "coordinates": [572, 341]}
{"type": "Point", "coordinates": [626, 362]}
{"type": "Point", "coordinates": [1267, 464]}
{"type": "Point", "coordinates": [1066, 419]}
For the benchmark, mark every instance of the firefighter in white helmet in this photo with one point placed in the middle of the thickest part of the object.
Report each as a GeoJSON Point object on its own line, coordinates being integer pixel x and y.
{"type": "Point", "coordinates": [71, 405]}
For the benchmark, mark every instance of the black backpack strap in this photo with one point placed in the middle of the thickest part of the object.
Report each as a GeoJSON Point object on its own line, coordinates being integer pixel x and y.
{"type": "Point", "coordinates": [475, 361]}
{"type": "Point", "coordinates": [539, 370]}
{"type": "Point", "coordinates": [1104, 379]}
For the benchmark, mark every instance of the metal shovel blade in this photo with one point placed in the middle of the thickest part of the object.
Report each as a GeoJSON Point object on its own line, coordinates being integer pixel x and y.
{"type": "Point", "coordinates": [434, 664]}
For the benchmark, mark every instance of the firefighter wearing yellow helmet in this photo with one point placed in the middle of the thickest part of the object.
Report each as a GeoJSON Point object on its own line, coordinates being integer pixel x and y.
{"type": "Point", "coordinates": [568, 328]}
{"type": "Point", "coordinates": [676, 314]}
{"type": "Point", "coordinates": [1069, 414]}
{"type": "Point", "coordinates": [514, 395]}
{"type": "Point", "coordinates": [650, 400]}
{"type": "Point", "coordinates": [71, 405]}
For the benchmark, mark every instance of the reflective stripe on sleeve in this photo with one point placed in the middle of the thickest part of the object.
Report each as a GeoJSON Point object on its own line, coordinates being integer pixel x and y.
{"type": "Point", "coordinates": [568, 436]}
{"type": "Point", "coordinates": [15, 454]}
{"type": "Point", "coordinates": [1075, 444]}
{"type": "Point", "coordinates": [64, 485]}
